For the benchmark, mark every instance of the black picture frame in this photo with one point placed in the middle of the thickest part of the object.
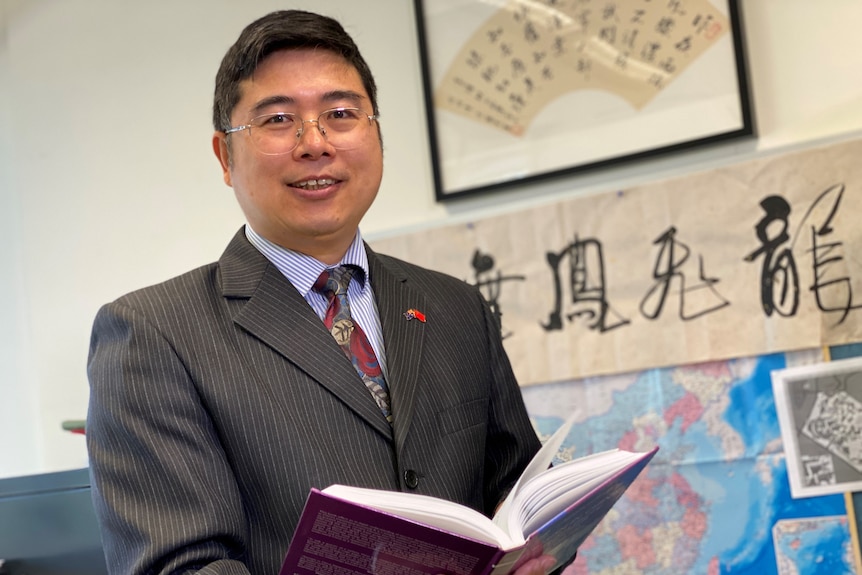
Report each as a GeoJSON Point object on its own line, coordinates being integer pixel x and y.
{"type": "Point", "coordinates": [479, 141]}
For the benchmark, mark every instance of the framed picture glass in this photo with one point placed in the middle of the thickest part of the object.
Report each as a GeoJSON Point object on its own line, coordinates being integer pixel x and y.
{"type": "Point", "coordinates": [520, 91]}
{"type": "Point", "coordinates": [819, 410]}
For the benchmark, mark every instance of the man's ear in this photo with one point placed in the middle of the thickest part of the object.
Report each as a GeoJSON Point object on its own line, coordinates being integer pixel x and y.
{"type": "Point", "coordinates": [221, 148]}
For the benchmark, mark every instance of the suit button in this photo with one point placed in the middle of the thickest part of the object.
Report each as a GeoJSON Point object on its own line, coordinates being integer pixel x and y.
{"type": "Point", "coordinates": [411, 479]}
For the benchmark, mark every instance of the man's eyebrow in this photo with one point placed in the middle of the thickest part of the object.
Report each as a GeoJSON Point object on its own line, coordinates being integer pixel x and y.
{"type": "Point", "coordinates": [272, 101]}
{"type": "Point", "coordinates": [328, 98]}
{"type": "Point", "coordinates": [337, 95]}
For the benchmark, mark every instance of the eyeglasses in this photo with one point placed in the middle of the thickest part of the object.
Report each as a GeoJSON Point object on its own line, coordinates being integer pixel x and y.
{"type": "Point", "coordinates": [280, 132]}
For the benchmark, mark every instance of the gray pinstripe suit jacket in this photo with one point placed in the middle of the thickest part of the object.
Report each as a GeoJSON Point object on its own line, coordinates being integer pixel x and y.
{"type": "Point", "coordinates": [218, 399]}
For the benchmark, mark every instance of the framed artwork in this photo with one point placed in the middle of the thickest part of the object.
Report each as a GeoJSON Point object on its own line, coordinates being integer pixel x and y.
{"type": "Point", "coordinates": [521, 91]}
{"type": "Point", "coordinates": [820, 414]}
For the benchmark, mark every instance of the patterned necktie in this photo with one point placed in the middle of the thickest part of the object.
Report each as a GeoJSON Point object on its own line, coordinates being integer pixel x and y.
{"type": "Point", "coordinates": [347, 333]}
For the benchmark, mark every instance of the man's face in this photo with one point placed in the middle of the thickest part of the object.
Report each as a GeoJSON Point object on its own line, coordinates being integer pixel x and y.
{"type": "Point", "coordinates": [273, 191]}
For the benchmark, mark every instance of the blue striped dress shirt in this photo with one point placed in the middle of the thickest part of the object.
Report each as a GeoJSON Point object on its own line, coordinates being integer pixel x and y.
{"type": "Point", "coordinates": [302, 271]}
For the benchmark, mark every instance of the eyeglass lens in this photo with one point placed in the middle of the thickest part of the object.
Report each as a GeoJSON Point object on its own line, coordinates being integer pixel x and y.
{"type": "Point", "coordinates": [280, 133]}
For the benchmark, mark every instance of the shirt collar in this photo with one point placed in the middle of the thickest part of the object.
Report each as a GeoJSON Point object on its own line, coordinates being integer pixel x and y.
{"type": "Point", "coordinates": [303, 270]}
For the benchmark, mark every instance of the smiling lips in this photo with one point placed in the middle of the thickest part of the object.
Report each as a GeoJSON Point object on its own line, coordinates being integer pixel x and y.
{"type": "Point", "coordinates": [314, 184]}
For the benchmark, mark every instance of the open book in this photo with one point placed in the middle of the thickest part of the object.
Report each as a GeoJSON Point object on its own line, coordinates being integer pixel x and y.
{"type": "Point", "coordinates": [550, 511]}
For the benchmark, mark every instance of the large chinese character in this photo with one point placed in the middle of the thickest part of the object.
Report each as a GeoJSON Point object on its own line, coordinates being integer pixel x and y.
{"type": "Point", "coordinates": [586, 279]}
{"type": "Point", "coordinates": [491, 285]}
{"type": "Point", "coordinates": [672, 256]}
{"type": "Point", "coordinates": [778, 276]}
{"type": "Point", "coordinates": [832, 294]}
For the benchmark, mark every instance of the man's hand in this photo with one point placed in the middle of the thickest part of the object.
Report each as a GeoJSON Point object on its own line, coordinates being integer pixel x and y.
{"type": "Point", "coordinates": [536, 566]}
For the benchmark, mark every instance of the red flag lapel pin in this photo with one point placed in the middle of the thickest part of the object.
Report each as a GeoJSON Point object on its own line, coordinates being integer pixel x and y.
{"type": "Point", "coordinates": [414, 314]}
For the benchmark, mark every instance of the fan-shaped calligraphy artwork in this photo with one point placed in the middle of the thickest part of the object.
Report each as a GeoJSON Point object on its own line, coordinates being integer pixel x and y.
{"type": "Point", "coordinates": [518, 90]}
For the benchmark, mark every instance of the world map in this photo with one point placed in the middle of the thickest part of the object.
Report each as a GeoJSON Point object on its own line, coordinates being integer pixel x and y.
{"type": "Point", "coordinates": [716, 498]}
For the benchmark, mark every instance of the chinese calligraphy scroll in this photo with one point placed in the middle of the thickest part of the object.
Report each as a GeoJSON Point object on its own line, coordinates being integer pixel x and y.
{"type": "Point", "coordinates": [744, 260]}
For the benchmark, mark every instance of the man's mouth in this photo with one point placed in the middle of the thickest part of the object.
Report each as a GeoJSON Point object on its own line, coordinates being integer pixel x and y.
{"type": "Point", "coordinates": [313, 184]}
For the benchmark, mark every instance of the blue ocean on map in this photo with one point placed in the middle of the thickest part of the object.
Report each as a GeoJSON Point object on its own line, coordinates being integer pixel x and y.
{"type": "Point", "coordinates": [716, 498]}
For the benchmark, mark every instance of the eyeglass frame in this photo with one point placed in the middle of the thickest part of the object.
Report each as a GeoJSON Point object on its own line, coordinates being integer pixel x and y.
{"type": "Point", "coordinates": [301, 130]}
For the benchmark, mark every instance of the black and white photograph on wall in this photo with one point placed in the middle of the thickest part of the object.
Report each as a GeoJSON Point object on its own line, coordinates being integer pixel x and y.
{"type": "Point", "coordinates": [820, 414]}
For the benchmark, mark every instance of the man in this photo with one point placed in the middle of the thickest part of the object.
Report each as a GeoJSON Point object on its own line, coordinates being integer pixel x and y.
{"type": "Point", "coordinates": [219, 398]}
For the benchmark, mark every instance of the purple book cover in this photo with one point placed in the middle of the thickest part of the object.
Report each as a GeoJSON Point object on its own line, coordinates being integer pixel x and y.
{"type": "Point", "coordinates": [336, 536]}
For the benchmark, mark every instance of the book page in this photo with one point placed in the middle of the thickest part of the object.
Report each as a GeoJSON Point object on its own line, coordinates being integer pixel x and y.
{"type": "Point", "coordinates": [549, 494]}
{"type": "Point", "coordinates": [539, 464]}
{"type": "Point", "coordinates": [439, 513]}
{"type": "Point", "coordinates": [561, 535]}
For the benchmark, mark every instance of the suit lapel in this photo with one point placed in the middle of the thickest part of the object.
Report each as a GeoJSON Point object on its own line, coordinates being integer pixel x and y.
{"type": "Point", "coordinates": [278, 316]}
{"type": "Point", "coordinates": [402, 338]}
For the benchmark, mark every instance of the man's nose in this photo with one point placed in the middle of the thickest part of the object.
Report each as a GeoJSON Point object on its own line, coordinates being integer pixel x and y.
{"type": "Point", "coordinates": [311, 139]}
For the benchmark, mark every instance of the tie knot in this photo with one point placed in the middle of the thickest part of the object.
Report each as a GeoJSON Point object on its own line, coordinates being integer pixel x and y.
{"type": "Point", "coordinates": [334, 281]}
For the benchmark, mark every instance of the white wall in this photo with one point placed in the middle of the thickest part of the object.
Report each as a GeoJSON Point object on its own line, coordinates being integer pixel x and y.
{"type": "Point", "coordinates": [107, 181]}
{"type": "Point", "coordinates": [19, 431]}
